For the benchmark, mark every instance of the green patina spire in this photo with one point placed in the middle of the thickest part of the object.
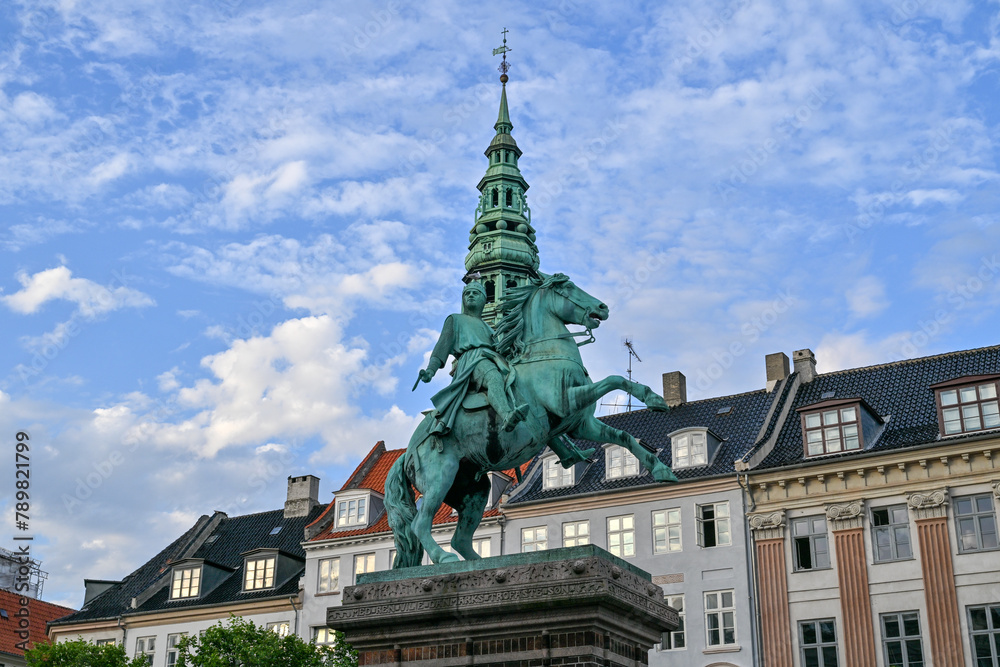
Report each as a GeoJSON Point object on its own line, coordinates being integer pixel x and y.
{"type": "Point", "coordinates": [502, 250]}
{"type": "Point", "coordinates": [503, 125]}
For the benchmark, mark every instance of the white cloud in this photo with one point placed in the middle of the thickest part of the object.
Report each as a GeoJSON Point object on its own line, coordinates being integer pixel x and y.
{"type": "Point", "coordinates": [867, 297]}
{"type": "Point", "coordinates": [295, 382]}
{"type": "Point", "coordinates": [938, 195]}
{"type": "Point", "coordinates": [91, 299]}
{"type": "Point", "coordinates": [111, 169]}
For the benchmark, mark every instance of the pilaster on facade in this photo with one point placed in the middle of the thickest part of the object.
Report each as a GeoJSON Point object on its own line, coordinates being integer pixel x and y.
{"type": "Point", "coordinates": [931, 504]}
{"type": "Point", "coordinates": [846, 516]}
{"type": "Point", "coordinates": [855, 597]}
{"type": "Point", "coordinates": [768, 530]}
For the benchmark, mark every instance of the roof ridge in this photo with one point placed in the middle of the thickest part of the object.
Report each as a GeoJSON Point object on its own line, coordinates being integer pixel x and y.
{"type": "Point", "coordinates": [700, 400]}
{"type": "Point", "coordinates": [901, 362]}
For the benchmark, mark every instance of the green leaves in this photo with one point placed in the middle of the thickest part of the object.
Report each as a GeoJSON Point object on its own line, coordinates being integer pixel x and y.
{"type": "Point", "coordinates": [243, 644]}
{"type": "Point", "coordinates": [80, 653]}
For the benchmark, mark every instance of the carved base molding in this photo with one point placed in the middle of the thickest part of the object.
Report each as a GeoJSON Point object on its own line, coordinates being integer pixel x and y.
{"type": "Point", "coordinates": [578, 605]}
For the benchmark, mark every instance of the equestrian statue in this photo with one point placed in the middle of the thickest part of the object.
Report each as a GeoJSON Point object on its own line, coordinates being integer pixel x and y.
{"type": "Point", "coordinates": [513, 393]}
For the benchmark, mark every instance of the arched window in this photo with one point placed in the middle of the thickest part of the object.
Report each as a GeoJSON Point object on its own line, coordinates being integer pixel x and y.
{"type": "Point", "coordinates": [491, 291]}
{"type": "Point", "coordinates": [496, 197]}
{"type": "Point", "coordinates": [510, 198]}
{"type": "Point", "coordinates": [511, 283]}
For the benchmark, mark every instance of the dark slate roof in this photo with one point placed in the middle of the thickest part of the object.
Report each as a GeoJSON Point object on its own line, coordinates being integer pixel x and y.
{"type": "Point", "coordinates": [899, 392]}
{"type": "Point", "coordinates": [237, 535]}
{"type": "Point", "coordinates": [738, 429]}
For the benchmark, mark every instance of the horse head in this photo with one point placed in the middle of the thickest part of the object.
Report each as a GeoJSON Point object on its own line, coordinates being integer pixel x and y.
{"type": "Point", "coordinates": [571, 304]}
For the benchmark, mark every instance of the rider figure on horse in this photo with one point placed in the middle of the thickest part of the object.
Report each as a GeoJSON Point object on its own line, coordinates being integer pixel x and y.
{"type": "Point", "coordinates": [478, 365]}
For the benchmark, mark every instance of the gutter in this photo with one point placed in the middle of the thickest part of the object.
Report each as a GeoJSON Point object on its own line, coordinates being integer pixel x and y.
{"type": "Point", "coordinates": [291, 599]}
{"type": "Point", "coordinates": [756, 648]}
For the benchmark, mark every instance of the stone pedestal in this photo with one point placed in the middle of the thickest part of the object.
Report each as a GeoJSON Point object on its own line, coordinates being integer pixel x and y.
{"type": "Point", "coordinates": [574, 606]}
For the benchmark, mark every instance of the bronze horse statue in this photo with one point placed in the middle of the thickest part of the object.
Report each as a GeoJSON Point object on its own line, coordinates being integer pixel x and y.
{"type": "Point", "coordinates": [551, 380]}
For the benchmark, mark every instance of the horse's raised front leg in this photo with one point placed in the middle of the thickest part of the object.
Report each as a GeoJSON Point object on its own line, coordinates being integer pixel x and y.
{"type": "Point", "coordinates": [584, 395]}
{"type": "Point", "coordinates": [596, 430]}
{"type": "Point", "coordinates": [435, 477]}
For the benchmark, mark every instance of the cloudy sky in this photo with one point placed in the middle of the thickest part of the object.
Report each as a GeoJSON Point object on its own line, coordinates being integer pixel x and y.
{"type": "Point", "coordinates": [231, 229]}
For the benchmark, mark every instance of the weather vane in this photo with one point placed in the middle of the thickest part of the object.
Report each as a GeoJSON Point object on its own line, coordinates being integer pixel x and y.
{"type": "Point", "coordinates": [504, 65]}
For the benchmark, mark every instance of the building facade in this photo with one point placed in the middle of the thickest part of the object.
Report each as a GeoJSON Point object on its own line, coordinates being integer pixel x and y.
{"type": "Point", "coordinates": [249, 566]}
{"type": "Point", "coordinates": [873, 514]}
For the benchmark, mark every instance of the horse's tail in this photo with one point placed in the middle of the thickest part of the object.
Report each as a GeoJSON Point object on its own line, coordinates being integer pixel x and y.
{"type": "Point", "coordinates": [402, 510]}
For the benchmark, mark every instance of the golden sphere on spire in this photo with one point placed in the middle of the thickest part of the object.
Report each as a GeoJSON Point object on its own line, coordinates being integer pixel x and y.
{"type": "Point", "coordinates": [503, 78]}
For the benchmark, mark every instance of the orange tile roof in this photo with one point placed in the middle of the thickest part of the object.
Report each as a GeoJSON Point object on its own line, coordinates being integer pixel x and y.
{"type": "Point", "coordinates": [40, 613]}
{"type": "Point", "coordinates": [375, 480]}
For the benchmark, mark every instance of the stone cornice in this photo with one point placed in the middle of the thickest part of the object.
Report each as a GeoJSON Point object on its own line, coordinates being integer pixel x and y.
{"type": "Point", "coordinates": [928, 504]}
{"type": "Point", "coordinates": [768, 526]}
{"type": "Point", "coordinates": [846, 516]}
{"type": "Point", "coordinates": [920, 469]}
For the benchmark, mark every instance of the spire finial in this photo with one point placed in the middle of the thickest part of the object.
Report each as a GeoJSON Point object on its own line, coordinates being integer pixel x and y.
{"type": "Point", "coordinates": [504, 65]}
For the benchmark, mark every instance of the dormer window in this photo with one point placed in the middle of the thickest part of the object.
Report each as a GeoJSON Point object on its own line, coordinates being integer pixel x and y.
{"type": "Point", "coordinates": [259, 573]}
{"type": "Point", "coordinates": [555, 476]}
{"type": "Point", "coordinates": [351, 512]}
{"type": "Point", "coordinates": [835, 426]}
{"type": "Point", "coordinates": [186, 583]}
{"type": "Point", "coordinates": [693, 447]}
{"type": "Point", "coordinates": [969, 404]}
{"type": "Point", "coordinates": [619, 462]}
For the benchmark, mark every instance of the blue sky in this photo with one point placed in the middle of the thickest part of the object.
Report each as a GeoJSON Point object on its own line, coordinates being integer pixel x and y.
{"type": "Point", "coordinates": [230, 230]}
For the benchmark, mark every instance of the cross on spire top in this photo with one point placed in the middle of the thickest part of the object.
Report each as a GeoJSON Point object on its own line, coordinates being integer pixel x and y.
{"type": "Point", "coordinates": [504, 65]}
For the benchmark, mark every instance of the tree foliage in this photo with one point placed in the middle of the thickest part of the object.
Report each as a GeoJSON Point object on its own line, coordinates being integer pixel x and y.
{"type": "Point", "coordinates": [242, 643]}
{"type": "Point", "coordinates": [80, 653]}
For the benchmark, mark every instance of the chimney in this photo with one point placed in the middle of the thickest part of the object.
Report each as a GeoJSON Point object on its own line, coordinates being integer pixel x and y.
{"type": "Point", "coordinates": [675, 388]}
{"type": "Point", "coordinates": [777, 369]}
{"type": "Point", "coordinates": [805, 365]}
{"type": "Point", "coordinates": [303, 495]}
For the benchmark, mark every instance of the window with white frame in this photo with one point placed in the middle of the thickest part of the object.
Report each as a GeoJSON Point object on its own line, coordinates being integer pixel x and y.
{"type": "Point", "coordinates": [259, 573]}
{"type": "Point", "coordinates": [534, 539]}
{"type": "Point", "coordinates": [713, 525]}
{"type": "Point", "coordinates": [575, 533]}
{"type": "Point", "coordinates": [172, 651]}
{"type": "Point", "coordinates": [690, 449]}
{"type": "Point", "coordinates": [363, 563]}
{"type": "Point", "coordinates": [621, 535]}
{"type": "Point", "coordinates": [891, 533]}
{"type": "Point", "coordinates": [720, 618]}
{"type": "Point", "coordinates": [984, 628]}
{"type": "Point", "coordinates": [901, 643]}
{"type": "Point", "coordinates": [185, 583]}
{"type": "Point", "coordinates": [833, 430]}
{"type": "Point", "coordinates": [666, 531]}
{"type": "Point", "coordinates": [392, 558]}
{"type": "Point", "coordinates": [976, 522]}
{"type": "Point", "coordinates": [351, 512]}
{"type": "Point", "coordinates": [818, 643]}
{"type": "Point", "coordinates": [810, 543]}
{"type": "Point", "coordinates": [482, 547]}
{"type": "Point", "coordinates": [555, 475]}
{"type": "Point", "coordinates": [146, 647]}
{"type": "Point", "coordinates": [968, 409]}
{"type": "Point", "coordinates": [281, 628]}
{"type": "Point", "coordinates": [323, 635]}
{"type": "Point", "coordinates": [674, 640]}
{"type": "Point", "coordinates": [619, 462]}
{"type": "Point", "coordinates": [329, 575]}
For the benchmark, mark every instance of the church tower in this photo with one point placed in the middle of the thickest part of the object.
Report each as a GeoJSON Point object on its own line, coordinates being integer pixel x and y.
{"type": "Point", "coordinates": [502, 250]}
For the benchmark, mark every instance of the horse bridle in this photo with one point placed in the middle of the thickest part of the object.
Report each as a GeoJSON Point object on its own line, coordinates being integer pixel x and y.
{"type": "Point", "coordinates": [569, 334]}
